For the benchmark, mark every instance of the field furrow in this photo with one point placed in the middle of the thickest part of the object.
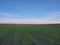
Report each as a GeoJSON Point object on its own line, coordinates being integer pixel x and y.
{"type": "Point", "coordinates": [29, 35]}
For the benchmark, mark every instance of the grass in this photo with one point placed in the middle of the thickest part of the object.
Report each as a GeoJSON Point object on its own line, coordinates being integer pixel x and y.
{"type": "Point", "coordinates": [29, 35]}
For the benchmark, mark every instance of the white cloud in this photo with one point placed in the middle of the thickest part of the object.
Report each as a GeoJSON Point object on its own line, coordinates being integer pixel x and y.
{"type": "Point", "coordinates": [52, 18]}
{"type": "Point", "coordinates": [27, 21]}
{"type": "Point", "coordinates": [7, 15]}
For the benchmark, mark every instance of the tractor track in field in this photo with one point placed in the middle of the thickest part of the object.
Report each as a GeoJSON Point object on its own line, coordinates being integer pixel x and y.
{"type": "Point", "coordinates": [45, 37]}
{"type": "Point", "coordinates": [17, 35]}
{"type": "Point", "coordinates": [8, 41]}
{"type": "Point", "coordinates": [53, 41]}
{"type": "Point", "coordinates": [32, 39]}
{"type": "Point", "coordinates": [42, 43]}
{"type": "Point", "coordinates": [12, 40]}
{"type": "Point", "coordinates": [24, 42]}
{"type": "Point", "coordinates": [16, 38]}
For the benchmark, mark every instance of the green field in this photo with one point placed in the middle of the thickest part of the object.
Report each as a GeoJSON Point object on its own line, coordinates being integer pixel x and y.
{"type": "Point", "coordinates": [29, 35]}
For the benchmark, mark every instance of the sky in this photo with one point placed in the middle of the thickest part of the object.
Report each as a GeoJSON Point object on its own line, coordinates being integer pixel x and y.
{"type": "Point", "coordinates": [29, 11]}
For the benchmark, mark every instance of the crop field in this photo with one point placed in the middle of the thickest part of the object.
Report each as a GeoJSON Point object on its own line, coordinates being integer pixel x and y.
{"type": "Point", "coordinates": [29, 35]}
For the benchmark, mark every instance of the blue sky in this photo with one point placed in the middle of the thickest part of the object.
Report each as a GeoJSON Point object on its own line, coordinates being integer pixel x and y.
{"type": "Point", "coordinates": [46, 10]}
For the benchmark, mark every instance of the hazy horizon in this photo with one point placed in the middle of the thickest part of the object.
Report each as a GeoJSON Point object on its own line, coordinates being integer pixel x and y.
{"type": "Point", "coordinates": [30, 11]}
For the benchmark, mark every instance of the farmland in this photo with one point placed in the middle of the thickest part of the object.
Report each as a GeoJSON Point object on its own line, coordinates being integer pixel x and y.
{"type": "Point", "coordinates": [29, 34]}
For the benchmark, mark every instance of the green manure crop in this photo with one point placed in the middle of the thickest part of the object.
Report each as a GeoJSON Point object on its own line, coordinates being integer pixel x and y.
{"type": "Point", "coordinates": [29, 35]}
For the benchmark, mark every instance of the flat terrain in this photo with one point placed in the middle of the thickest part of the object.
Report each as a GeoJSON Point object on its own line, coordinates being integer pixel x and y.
{"type": "Point", "coordinates": [29, 34]}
